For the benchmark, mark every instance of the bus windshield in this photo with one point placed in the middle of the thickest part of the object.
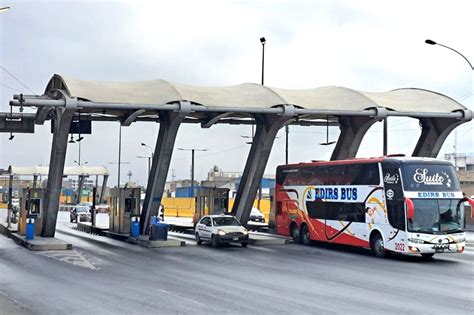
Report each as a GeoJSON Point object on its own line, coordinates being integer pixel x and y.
{"type": "Point", "coordinates": [437, 216]}
{"type": "Point", "coordinates": [429, 177]}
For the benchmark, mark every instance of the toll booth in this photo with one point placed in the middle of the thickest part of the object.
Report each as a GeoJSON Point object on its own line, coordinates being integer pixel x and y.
{"type": "Point", "coordinates": [125, 205]}
{"type": "Point", "coordinates": [31, 206]}
{"type": "Point", "coordinates": [210, 200]}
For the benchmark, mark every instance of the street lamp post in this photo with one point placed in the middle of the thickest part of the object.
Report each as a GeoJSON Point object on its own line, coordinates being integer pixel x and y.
{"type": "Point", "coordinates": [192, 166]}
{"type": "Point", "coordinates": [151, 149]}
{"type": "Point", "coordinates": [149, 161]}
{"type": "Point", "coordinates": [432, 42]}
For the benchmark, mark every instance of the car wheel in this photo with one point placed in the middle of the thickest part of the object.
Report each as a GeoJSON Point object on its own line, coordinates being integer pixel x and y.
{"type": "Point", "coordinates": [244, 244]}
{"type": "Point", "coordinates": [305, 235]}
{"type": "Point", "coordinates": [214, 241]}
{"type": "Point", "coordinates": [198, 239]}
{"type": "Point", "coordinates": [295, 234]}
{"type": "Point", "coordinates": [378, 246]}
{"type": "Point", "coordinates": [427, 256]}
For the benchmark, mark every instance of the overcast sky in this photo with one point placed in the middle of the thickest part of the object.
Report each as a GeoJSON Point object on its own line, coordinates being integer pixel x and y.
{"type": "Point", "coordinates": [364, 45]}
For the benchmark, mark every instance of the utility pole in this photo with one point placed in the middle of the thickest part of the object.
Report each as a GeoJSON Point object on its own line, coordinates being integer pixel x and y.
{"type": "Point", "coordinates": [192, 166]}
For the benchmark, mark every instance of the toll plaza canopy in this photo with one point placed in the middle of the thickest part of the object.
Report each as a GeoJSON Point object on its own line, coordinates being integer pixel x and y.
{"type": "Point", "coordinates": [254, 96]}
{"type": "Point", "coordinates": [70, 102]}
{"type": "Point", "coordinates": [68, 170]}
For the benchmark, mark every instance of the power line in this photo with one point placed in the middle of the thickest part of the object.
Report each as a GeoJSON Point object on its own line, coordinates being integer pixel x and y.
{"type": "Point", "coordinates": [9, 87]}
{"type": "Point", "coordinates": [17, 80]}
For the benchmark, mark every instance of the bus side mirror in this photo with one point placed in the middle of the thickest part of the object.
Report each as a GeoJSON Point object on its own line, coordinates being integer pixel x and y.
{"type": "Point", "coordinates": [410, 208]}
{"type": "Point", "coordinates": [471, 203]}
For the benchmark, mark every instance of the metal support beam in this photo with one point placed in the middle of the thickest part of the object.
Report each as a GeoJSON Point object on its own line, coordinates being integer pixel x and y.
{"type": "Point", "coordinates": [132, 117]}
{"type": "Point", "coordinates": [434, 132]}
{"type": "Point", "coordinates": [353, 129]}
{"type": "Point", "coordinates": [42, 115]}
{"type": "Point", "coordinates": [212, 119]}
{"type": "Point", "coordinates": [267, 129]}
{"type": "Point", "coordinates": [169, 126]}
{"type": "Point", "coordinates": [63, 117]}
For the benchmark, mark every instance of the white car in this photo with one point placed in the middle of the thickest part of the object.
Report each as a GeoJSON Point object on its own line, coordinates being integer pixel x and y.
{"type": "Point", "coordinates": [256, 215]}
{"type": "Point", "coordinates": [219, 229]}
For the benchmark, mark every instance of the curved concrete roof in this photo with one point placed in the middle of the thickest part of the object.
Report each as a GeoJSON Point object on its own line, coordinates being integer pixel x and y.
{"type": "Point", "coordinates": [252, 95]}
{"type": "Point", "coordinates": [68, 170]}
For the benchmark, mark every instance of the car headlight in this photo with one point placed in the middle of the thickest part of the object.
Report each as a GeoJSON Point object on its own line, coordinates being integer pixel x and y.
{"type": "Point", "coordinates": [245, 232]}
{"type": "Point", "coordinates": [416, 241]}
{"type": "Point", "coordinates": [220, 232]}
{"type": "Point", "coordinates": [461, 240]}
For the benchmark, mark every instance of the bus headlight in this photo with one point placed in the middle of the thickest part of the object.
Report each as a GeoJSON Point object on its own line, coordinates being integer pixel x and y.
{"type": "Point", "coordinates": [221, 233]}
{"type": "Point", "coordinates": [416, 241]}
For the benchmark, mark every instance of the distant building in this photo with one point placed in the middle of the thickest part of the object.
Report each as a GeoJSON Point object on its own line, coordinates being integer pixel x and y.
{"type": "Point", "coordinates": [465, 168]}
{"type": "Point", "coordinates": [215, 178]}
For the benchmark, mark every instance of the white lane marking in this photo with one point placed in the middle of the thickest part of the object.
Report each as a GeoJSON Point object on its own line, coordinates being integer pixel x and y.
{"type": "Point", "coordinates": [264, 249]}
{"type": "Point", "coordinates": [181, 297]}
{"type": "Point", "coordinates": [69, 256]}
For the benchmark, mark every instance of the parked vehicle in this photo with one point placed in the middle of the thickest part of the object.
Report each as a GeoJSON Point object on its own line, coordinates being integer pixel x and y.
{"type": "Point", "coordinates": [220, 229]}
{"type": "Point", "coordinates": [80, 214]}
{"type": "Point", "coordinates": [256, 216]}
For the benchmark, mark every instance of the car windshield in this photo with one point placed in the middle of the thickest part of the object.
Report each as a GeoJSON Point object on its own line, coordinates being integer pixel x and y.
{"type": "Point", "coordinates": [224, 221]}
{"type": "Point", "coordinates": [82, 209]}
{"type": "Point", "coordinates": [435, 216]}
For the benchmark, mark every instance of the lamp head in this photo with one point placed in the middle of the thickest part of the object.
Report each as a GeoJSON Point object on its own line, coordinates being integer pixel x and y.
{"type": "Point", "coordinates": [71, 140]}
{"type": "Point", "coordinates": [262, 40]}
{"type": "Point", "coordinates": [430, 42]}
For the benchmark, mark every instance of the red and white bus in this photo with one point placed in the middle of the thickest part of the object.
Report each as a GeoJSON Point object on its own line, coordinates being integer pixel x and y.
{"type": "Point", "coordinates": [394, 203]}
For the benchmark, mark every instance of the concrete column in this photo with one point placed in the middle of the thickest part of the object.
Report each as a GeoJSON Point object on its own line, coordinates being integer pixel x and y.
{"type": "Point", "coordinates": [353, 129]}
{"type": "Point", "coordinates": [79, 189]}
{"type": "Point", "coordinates": [169, 126]}
{"type": "Point", "coordinates": [35, 181]}
{"type": "Point", "coordinates": [62, 123]}
{"type": "Point", "coordinates": [267, 129]}
{"type": "Point", "coordinates": [434, 133]}
{"type": "Point", "coordinates": [10, 200]}
{"type": "Point", "coordinates": [102, 190]}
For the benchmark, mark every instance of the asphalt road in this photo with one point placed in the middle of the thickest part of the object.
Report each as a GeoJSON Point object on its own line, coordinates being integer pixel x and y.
{"type": "Point", "coordinates": [103, 276]}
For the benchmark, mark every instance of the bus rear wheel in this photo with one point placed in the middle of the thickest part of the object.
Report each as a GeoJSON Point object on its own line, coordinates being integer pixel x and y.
{"type": "Point", "coordinates": [377, 245]}
{"type": "Point", "coordinates": [305, 235]}
{"type": "Point", "coordinates": [295, 234]}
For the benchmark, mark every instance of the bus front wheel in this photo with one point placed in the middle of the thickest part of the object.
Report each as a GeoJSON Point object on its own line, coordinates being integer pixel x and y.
{"type": "Point", "coordinates": [305, 235]}
{"type": "Point", "coordinates": [378, 246]}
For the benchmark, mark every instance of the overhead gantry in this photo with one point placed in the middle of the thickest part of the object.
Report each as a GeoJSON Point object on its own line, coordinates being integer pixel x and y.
{"type": "Point", "coordinates": [270, 109]}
